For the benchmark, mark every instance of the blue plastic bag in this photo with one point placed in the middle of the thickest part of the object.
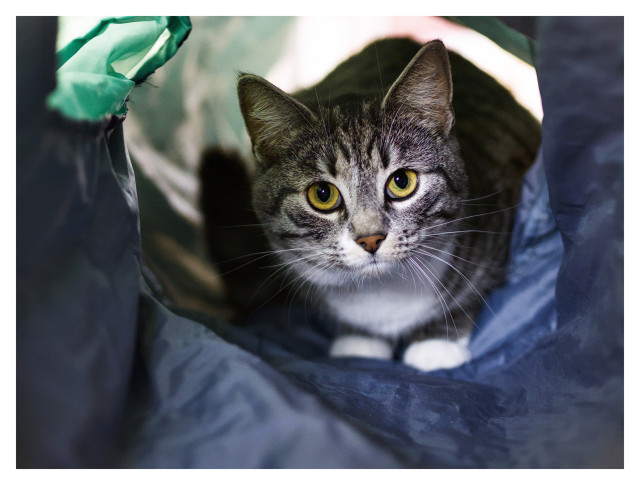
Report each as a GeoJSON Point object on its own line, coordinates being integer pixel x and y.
{"type": "Point", "coordinates": [109, 376]}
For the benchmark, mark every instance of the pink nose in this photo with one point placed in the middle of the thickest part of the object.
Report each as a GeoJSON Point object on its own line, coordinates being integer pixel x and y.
{"type": "Point", "coordinates": [371, 243]}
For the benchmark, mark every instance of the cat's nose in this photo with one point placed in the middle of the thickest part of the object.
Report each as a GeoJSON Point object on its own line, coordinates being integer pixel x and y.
{"type": "Point", "coordinates": [371, 243]}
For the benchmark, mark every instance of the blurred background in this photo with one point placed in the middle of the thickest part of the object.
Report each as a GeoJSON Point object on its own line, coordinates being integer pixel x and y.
{"type": "Point", "coordinates": [191, 104]}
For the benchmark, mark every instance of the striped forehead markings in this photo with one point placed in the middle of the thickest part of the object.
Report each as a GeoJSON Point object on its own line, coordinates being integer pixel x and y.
{"type": "Point", "coordinates": [343, 149]}
{"type": "Point", "coordinates": [361, 149]}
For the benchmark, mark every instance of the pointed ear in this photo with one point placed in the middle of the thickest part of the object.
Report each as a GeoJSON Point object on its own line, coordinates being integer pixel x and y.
{"type": "Point", "coordinates": [424, 89]}
{"type": "Point", "coordinates": [270, 116]}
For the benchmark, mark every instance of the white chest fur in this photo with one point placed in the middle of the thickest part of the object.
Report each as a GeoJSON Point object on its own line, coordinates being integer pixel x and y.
{"type": "Point", "coordinates": [387, 308]}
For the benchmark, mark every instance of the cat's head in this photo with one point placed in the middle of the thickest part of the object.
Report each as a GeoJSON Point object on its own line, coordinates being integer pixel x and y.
{"type": "Point", "coordinates": [353, 190]}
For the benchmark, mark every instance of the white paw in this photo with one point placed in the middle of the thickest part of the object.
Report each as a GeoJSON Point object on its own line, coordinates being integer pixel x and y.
{"type": "Point", "coordinates": [434, 354]}
{"type": "Point", "coordinates": [361, 346]}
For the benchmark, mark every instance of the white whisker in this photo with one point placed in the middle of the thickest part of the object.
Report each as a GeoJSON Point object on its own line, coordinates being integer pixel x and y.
{"type": "Point", "coordinates": [469, 217]}
{"type": "Point", "coordinates": [425, 246]}
{"type": "Point", "coordinates": [453, 298]}
{"type": "Point", "coordinates": [440, 297]}
{"type": "Point", "coordinates": [471, 285]}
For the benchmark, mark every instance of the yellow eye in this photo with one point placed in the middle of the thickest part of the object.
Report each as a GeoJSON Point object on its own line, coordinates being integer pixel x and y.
{"type": "Point", "coordinates": [323, 196]}
{"type": "Point", "coordinates": [402, 183]}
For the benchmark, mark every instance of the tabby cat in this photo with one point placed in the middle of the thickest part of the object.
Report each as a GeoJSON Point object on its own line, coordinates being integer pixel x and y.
{"type": "Point", "coordinates": [388, 189]}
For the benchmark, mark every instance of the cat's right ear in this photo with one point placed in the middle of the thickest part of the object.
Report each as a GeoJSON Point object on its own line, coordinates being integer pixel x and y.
{"type": "Point", "coordinates": [270, 115]}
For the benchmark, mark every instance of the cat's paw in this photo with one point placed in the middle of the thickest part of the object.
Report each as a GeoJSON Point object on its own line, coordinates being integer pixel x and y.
{"type": "Point", "coordinates": [361, 346]}
{"type": "Point", "coordinates": [435, 354]}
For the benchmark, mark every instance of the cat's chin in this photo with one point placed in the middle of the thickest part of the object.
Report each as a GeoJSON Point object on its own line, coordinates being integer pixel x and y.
{"type": "Point", "coordinates": [347, 276]}
{"type": "Point", "coordinates": [375, 268]}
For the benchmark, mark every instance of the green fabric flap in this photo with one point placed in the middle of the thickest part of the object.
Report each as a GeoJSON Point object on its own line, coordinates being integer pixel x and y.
{"type": "Point", "coordinates": [510, 40]}
{"type": "Point", "coordinates": [97, 71]}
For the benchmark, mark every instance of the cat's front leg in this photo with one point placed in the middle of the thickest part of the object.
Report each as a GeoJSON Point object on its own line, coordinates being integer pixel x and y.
{"type": "Point", "coordinates": [432, 354]}
{"type": "Point", "coordinates": [366, 346]}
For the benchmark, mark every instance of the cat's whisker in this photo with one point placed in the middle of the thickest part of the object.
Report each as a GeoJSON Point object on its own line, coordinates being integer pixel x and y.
{"type": "Point", "coordinates": [465, 231]}
{"type": "Point", "coordinates": [425, 246]}
{"type": "Point", "coordinates": [324, 126]}
{"type": "Point", "coordinates": [470, 217]}
{"type": "Point", "coordinates": [451, 240]}
{"type": "Point", "coordinates": [412, 272]}
{"type": "Point", "coordinates": [329, 113]}
{"type": "Point", "coordinates": [408, 268]}
{"type": "Point", "coordinates": [301, 274]}
{"type": "Point", "coordinates": [304, 279]}
{"type": "Point", "coordinates": [310, 123]}
{"type": "Point", "coordinates": [393, 121]}
{"type": "Point", "coordinates": [310, 289]}
{"type": "Point", "coordinates": [441, 299]}
{"type": "Point", "coordinates": [471, 204]}
{"type": "Point", "coordinates": [284, 267]}
{"type": "Point", "coordinates": [297, 260]}
{"type": "Point", "coordinates": [454, 299]}
{"type": "Point", "coordinates": [383, 118]}
{"type": "Point", "coordinates": [471, 285]}
{"type": "Point", "coordinates": [435, 277]}
{"type": "Point", "coordinates": [261, 254]}
{"type": "Point", "coordinates": [483, 196]}
{"type": "Point", "coordinates": [241, 226]}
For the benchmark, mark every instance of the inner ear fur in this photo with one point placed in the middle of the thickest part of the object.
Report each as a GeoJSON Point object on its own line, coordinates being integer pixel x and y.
{"type": "Point", "coordinates": [270, 115]}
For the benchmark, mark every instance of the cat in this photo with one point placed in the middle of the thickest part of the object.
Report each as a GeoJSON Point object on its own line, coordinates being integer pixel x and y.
{"type": "Point", "coordinates": [388, 189]}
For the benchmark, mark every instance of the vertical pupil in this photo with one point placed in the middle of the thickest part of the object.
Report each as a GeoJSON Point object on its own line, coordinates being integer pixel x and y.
{"type": "Point", "coordinates": [323, 192]}
{"type": "Point", "coordinates": [401, 180]}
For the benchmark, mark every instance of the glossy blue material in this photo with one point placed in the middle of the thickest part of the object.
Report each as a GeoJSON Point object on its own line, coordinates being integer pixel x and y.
{"type": "Point", "coordinates": [108, 376]}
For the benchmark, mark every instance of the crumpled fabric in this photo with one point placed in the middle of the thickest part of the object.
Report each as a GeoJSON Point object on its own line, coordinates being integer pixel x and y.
{"type": "Point", "coordinates": [109, 376]}
{"type": "Point", "coordinates": [98, 70]}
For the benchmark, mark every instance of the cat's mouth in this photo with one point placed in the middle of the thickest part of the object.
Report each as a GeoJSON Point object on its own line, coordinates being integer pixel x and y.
{"type": "Point", "coordinates": [374, 266]}
{"type": "Point", "coordinates": [341, 272]}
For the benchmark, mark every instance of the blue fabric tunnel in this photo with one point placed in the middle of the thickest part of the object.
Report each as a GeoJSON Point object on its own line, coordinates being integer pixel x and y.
{"type": "Point", "coordinates": [110, 373]}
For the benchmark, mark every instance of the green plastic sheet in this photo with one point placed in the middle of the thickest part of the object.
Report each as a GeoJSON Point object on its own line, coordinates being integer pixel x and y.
{"type": "Point", "coordinates": [96, 72]}
{"type": "Point", "coordinates": [510, 40]}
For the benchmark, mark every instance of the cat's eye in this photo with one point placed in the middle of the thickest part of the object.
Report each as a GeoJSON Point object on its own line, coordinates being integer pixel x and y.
{"type": "Point", "coordinates": [402, 183]}
{"type": "Point", "coordinates": [324, 196]}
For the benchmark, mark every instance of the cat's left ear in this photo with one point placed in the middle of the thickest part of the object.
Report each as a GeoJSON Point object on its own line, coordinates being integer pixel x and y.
{"type": "Point", "coordinates": [424, 89]}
